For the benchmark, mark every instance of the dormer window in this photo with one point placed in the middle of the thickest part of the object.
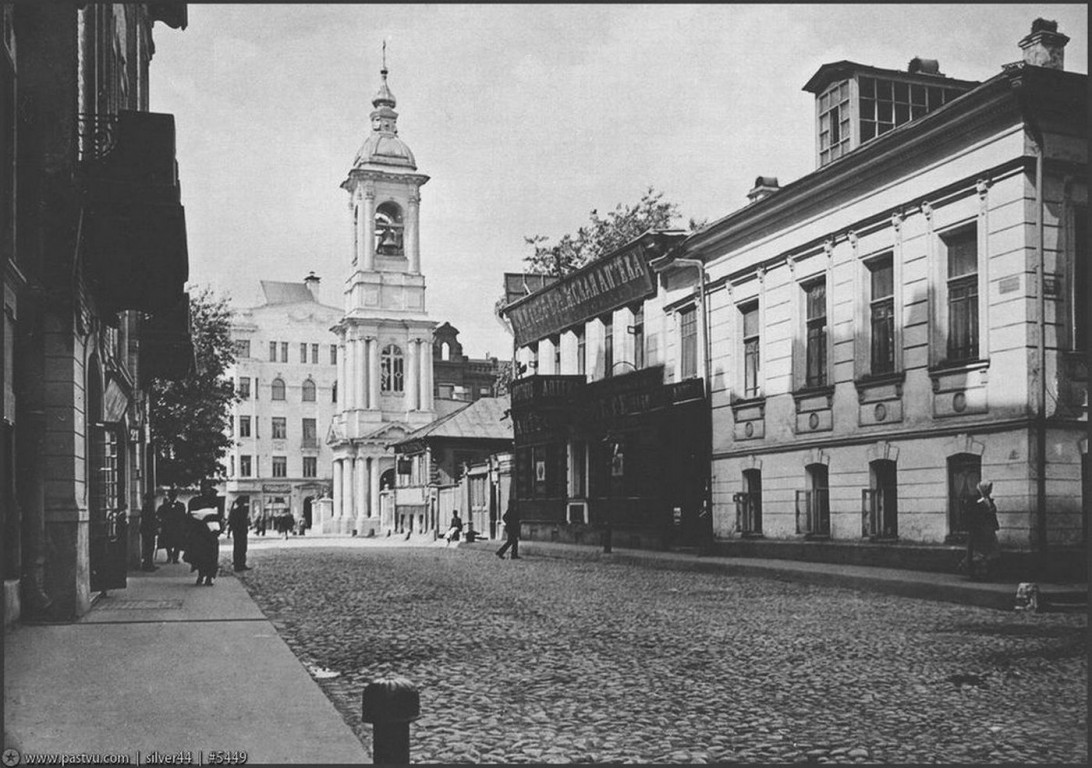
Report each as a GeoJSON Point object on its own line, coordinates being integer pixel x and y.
{"type": "Point", "coordinates": [388, 229]}
{"type": "Point", "coordinates": [834, 122]}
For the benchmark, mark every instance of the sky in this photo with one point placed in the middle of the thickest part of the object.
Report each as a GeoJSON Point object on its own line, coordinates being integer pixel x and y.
{"type": "Point", "coordinates": [526, 118]}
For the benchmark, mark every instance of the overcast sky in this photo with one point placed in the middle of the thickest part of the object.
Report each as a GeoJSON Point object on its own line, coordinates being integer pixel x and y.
{"type": "Point", "coordinates": [526, 117]}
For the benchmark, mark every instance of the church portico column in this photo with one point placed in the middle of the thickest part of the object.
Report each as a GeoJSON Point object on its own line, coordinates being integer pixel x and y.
{"type": "Point", "coordinates": [426, 378]}
{"type": "Point", "coordinates": [337, 489]}
{"type": "Point", "coordinates": [373, 478]}
{"type": "Point", "coordinates": [411, 374]}
{"type": "Point", "coordinates": [373, 374]}
{"type": "Point", "coordinates": [350, 382]}
{"type": "Point", "coordinates": [360, 493]}
{"type": "Point", "coordinates": [346, 519]}
{"type": "Point", "coordinates": [341, 403]}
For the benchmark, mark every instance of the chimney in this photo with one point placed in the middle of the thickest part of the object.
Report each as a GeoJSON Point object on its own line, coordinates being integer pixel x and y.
{"type": "Point", "coordinates": [1045, 46]}
{"type": "Point", "coordinates": [312, 283]}
{"type": "Point", "coordinates": [764, 187]}
{"type": "Point", "coordinates": [920, 66]}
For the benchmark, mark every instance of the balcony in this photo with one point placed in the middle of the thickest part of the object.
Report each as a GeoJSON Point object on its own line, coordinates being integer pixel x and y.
{"type": "Point", "coordinates": [132, 226]}
{"type": "Point", "coordinates": [166, 348]}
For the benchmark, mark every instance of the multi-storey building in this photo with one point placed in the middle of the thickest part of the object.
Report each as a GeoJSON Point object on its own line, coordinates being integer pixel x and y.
{"type": "Point", "coordinates": [385, 377]}
{"type": "Point", "coordinates": [285, 374]}
{"type": "Point", "coordinates": [93, 263]}
{"type": "Point", "coordinates": [459, 377]}
{"type": "Point", "coordinates": [908, 319]}
{"type": "Point", "coordinates": [902, 322]}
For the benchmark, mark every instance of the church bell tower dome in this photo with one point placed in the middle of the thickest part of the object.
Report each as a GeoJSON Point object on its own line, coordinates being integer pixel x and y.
{"type": "Point", "coordinates": [383, 147]}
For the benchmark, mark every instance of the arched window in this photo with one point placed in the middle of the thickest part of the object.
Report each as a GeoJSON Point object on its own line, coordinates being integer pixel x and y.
{"type": "Point", "coordinates": [308, 391]}
{"type": "Point", "coordinates": [390, 369]}
{"type": "Point", "coordinates": [445, 351]}
{"type": "Point", "coordinates": [277, 388]}
{"type": "Point", "coordinates": [388, 229]}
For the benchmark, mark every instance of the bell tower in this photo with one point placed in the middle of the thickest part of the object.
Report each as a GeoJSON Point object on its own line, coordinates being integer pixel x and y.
{"type": "Point", "coordinates": [385, 380]}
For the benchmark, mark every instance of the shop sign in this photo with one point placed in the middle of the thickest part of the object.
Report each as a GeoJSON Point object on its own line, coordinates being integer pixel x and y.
{"type": "Point", "coordinates": [277, 488]}
{"type": "Point", "coordinates": [637, 392]}
{"type": "Point", "coordinates": [540, 389]}
{"type": "Point", "coordinates": [603, 285]}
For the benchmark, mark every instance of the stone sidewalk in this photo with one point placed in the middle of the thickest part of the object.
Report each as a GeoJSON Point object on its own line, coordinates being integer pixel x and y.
{"type": "Point", "coordinates": [166, 666]}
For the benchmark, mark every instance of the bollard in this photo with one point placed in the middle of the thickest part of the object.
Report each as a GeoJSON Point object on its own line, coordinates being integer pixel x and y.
{"type": "Point", "coordinates": [390, 704]}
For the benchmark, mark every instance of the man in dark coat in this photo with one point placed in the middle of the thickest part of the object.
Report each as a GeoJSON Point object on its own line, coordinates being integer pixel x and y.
{"type": "Point", "coordinates": [238, 523]}
{"type": "Point", "coordinates": [511, 531]}
{"type": "Point", "coordinates": [204, 523]}
{"type": "Point", "coordinates": [172, 525]}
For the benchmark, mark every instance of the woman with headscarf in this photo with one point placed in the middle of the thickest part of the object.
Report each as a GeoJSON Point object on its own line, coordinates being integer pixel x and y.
{"type": "Point", "coordinates": [983, 549]}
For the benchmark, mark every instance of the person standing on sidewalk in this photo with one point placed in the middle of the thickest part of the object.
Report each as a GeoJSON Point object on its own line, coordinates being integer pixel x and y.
{"type": "Point", "coordinates": [983, 548]}
{"type": "Point", "coordinates": [149, 528]}
{"type": "Point", "coordinates": [205, 521]}
{"type": "Point", "coordinates": [238, 524]}
{"type": "Point", "coordinates": [511, 532]}
{"type": "Point", "coordinates": [172, 525]}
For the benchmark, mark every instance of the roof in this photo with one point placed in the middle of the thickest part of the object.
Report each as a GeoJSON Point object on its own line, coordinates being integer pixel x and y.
{"type": "Point", "coordinates": [838, 70]}
{"type": "Point", "coordinates": [483, 419]}
{"type": "Point", "coordinates": [285, 293]}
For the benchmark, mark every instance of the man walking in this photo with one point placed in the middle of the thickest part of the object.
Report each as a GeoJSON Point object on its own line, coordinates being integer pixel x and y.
{"type": "Point", "coordinates": [238, 523]}
{"type": "Point", "coordinates": [511, 532]}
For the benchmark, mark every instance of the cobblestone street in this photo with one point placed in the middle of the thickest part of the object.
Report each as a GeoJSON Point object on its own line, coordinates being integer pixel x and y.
{"type": "Point", "coordinates": [555, 661]}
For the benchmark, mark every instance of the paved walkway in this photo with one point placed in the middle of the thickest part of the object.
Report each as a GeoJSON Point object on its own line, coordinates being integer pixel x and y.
{"type": "Point", "coordinates": [167, 666]}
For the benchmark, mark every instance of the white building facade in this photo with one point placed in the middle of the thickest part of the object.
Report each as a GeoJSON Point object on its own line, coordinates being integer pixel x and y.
{"type": "Point", "coordinates": [384, 338]}
{"type": "Point", "coordinates": [286, 375]}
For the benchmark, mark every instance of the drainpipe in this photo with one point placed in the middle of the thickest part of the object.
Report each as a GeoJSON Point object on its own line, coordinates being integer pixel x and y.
{"type": "Point", "coordinates": [1040, 539]}
{"type": "Point", "coordinates": [707, 378]}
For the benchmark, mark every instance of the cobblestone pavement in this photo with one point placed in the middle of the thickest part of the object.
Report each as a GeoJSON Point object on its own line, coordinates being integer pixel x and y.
{"type": "Point", "coordinates": [548, 660]}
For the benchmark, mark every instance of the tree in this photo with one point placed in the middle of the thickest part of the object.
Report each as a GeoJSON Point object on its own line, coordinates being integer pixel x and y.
{"type": "Point", "coordinates": [190, 418]}
{"type": "Point", "coordinates": [603, 234]}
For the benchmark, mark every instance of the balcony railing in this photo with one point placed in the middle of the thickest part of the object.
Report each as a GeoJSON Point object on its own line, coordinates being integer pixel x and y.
{"type": "Point", "coordinates": [97, 135]}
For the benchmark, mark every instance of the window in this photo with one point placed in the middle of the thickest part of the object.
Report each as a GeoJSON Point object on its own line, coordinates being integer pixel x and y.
{"type": "Point", "coordinates": [532, 363]}
{"type": "Point", "coordinates": [280, 466]}
{"type": "Point", "coordinates": [880, 508]}
{"type": "Point", "coordinates": [581, 351]}
{"type": "Point", "coordinates": [333, 354]}
{"type": "Point", "coordinates": [834, 122]}
{"type": "Point", "coordinates": [333, 392]}
{"type": "Point", "coordinates": [277, 389]}
{"type": "Point", "coordinates": [256, 390]}
{"type": "Point", "coordinates": [272, 351]}
{"type": "Point", "coordinates": [314, 354]}
{"type": "Point", "coordinates": [751, 339]}
{"type": "Point", "coordinates": [882, 315]}
{"type": "Point", "coordinates": [885, 104]}
{"type": "Point", "coordinates": [310, 433]}
{"type": "Point", "coordinates": [578, 470]}
{"type": "Point", "coordinates": [284, 351]}
{"type": "Point", "coordinates": [244, 388]}
{"type": "Point", "coordinates": [242, 347]}
{"type": "Point", "coordinates": [816, 321]}
{"type": "Point", "coordinates": [608, 345]}
{"type": "Point", "coordinates": [391, 369]}
{"type": "Point", "coordinates": [308, 391]}
{"type": "Point", "coordinates": [813, 504]}
{"type": "Point", "coordinates": [303, 353]}
{"type": "Point", "coordinates": [244, 466]}
{"type": "Point", "coordinates": [964, 474]}
{"type": "Point", "coordinates": [244, 426]}
{"type": "Point", "coordinates": [688, 343]}
{"type": "Point", "coordinates": [556, 341]}
{"type": "Point", "coordinates": [749, 503]}
{"type": "Point", "coordinates": [280, 428]}
{"type": "Point", "coordinates": [962, 252]}
{"type": "Point", "coordinates": [388, 229]}
{"type": "Point", "coordinates": [310, 466]}
{"type": "Point", "coordinates": [638, 331]}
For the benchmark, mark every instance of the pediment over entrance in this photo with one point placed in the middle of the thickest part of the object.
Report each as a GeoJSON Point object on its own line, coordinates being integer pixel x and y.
{"type": "Point", "coordinates": [335, 434]}
{"type": "Point", "coordinates": [389, 432]}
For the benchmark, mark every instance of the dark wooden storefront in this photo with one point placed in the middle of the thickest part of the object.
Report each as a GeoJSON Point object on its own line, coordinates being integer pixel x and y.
{"type": "Point", "coordinates": [624, 457]}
